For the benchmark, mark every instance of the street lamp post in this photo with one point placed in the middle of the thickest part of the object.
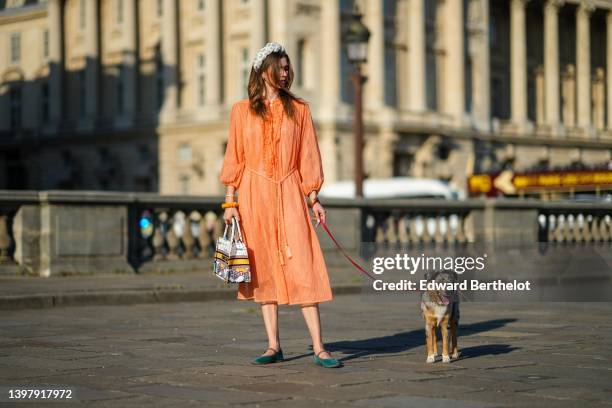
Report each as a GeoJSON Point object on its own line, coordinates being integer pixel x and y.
{"type": "Point", "coordinates": [357, 36]}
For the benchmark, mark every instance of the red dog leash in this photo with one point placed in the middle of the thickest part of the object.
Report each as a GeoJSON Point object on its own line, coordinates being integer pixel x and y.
{"type": "Point", "coordinates": [346, 255]}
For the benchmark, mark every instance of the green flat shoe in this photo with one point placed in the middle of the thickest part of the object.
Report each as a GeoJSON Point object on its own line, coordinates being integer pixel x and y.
{"type": "Point", "coordinates": [274, 358]}
{"type": "Point", "coordinates": [326, 362]}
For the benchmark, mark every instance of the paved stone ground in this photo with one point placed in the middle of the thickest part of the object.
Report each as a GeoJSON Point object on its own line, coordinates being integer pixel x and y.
{"type": "Point", "coordinates": [197, 354]}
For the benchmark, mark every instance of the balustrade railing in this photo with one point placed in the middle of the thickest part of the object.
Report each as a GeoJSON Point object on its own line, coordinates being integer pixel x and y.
{"type": "Point", "coordinates": [575, 225]}
{"type": "Point", "coordinates": [38, 230]}
{"type": "Point", "coordinates": [418, 222]}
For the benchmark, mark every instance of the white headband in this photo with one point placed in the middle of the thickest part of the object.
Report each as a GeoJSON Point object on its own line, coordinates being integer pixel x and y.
{"type": "Point", "coordinates": [264, 52]}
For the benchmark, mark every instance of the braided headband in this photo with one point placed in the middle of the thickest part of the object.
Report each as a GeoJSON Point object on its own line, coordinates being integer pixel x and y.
{"type": "Point", "coordinates": [264, 52]}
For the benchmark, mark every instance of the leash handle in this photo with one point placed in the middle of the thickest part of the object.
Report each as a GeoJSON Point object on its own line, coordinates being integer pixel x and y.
{"type": "Point", "coordinates": [346, 255]}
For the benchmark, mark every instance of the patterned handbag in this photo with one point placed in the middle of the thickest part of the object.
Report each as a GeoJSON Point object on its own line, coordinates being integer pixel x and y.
{"type": "Point", "coordinates": [231, 262]}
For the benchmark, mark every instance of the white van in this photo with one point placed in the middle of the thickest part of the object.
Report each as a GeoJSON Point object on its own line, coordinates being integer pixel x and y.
{"type": "Point", "coordinates": [395, 187]}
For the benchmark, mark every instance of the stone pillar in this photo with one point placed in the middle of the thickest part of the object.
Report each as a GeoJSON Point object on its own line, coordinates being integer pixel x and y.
{"type": "Point", "coordinates": [518, 62]}
{"type": "Point", "coordinates": [454, 95]}
{"type": "Point", "coordinates": [278, 31]}
{"type": "Point", "coordinates": [374, 89]}
{"type": "Point", "coordinates": [478, 46]}
{"type": "Point", "coordinates": [130, 59]}
{"type": "Point", "coordinates": [169, 52]}
{"type": "Point", "coordinates": [551, 60]}
{"type": "Point", "coordinates": [599, 98]}
{"type": "Point", "coordinates": [326, 135]}
{"type": "Point", "coordinates": [330, 53]}
{"type": "Point", "coordinates": [213, 53]}
{"type": "Point", "coordinates": [568, 96]}
{"type": "Point", "coordinates": [92, 67]}
{"type": "Point", "coordinates": [55, 26]}
{"type": "Point", "coordinates": [540, 99]}
{"type": "Point", "coordinates": [416, 55]}
{"type": "Point", "coordinates": [583, 64]}
{"type": "Point", "coordinates": [609, 68]}
{"type": "Point", "coordinates": [258, 27]}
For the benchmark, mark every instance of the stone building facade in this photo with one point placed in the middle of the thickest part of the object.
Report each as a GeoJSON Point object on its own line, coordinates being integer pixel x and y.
{"type": "Point", "coordinates": [135, 94]}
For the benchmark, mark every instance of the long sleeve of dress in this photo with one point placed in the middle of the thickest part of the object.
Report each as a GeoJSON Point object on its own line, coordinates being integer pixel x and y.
{"type": "Point", "coordinates": [234, 161]}
{"type": "Point", "coordinates": [310, 165]}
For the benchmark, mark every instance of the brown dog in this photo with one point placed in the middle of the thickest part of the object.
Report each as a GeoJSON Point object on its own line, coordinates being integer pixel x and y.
{"type": "Point", "coordinates": [440, 308]}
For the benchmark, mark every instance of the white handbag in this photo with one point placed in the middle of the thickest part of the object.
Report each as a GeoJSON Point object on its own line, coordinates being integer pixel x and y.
{"type": "Point", "coordinates": [231, 261]}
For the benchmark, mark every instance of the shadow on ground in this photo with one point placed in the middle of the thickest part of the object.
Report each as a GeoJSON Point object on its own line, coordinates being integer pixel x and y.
{"type": "Point", "coordinates": [405, 341]}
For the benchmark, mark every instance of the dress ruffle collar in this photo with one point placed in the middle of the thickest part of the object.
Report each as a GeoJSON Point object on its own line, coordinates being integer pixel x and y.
{"type": "Point", "coordinates": [272, 134]}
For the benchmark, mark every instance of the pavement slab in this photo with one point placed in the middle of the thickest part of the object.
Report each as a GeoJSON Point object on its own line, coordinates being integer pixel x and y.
{"type": "Point", "coordinates": [185, 354]}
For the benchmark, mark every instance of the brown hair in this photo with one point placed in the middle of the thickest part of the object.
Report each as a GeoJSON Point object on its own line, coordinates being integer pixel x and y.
{"type": "Point", "coordinates": [257, 86]}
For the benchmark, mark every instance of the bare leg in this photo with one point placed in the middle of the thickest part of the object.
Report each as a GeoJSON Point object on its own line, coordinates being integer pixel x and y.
{"type": "Point", "coordinates": [270, 317]}
{"type": "Point", "coordinates": [313, 321]}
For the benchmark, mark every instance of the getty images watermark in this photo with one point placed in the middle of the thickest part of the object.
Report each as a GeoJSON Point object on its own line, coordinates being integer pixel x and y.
{"type": "Point", "coordinates": [422, 263]}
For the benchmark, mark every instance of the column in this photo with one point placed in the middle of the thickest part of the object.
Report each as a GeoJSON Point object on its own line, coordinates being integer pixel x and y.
{"type": "Point", "coordinates": [609, 69]}
{"type": "Point", "coordinates": [551, 60]}
{"type": "Point", "coordinates": [454, 103]}
{"type": "Point", "coordinates": [416, 55]}
{"type": "Point", "coordinates": [329, 99]}
{"type": "Point", "coordinates": [213, 53]}
{"type": "Point", "coordinates": [130, 58]}
{"type": "Point", "coordinates": [330, 54]}
{"type": "Point", "coordinates": [539, 91]}
{"type": "Point", "coordinates": [54, 18]}
{"type": "Point", "coordinates": [92, 55]}
{"type": "Point", "coordinates": [599, 98]}
{"type": "Point", "coordinates": [169, 52]}
{"type": "Point", "coordinates": [374, 89]}
{"type": "Point", "coordinates": [568, 96]}
{"type": "Point", "coordinates": [518, 62]}
{"type": "Point", "coordinates": [258, 26]}
{"type": "Point", "coordinates": [279, 15]}
{"type": "Point", "coordinates": [583, 64]}
{"type": "Point", "coordinates": [478, 26]}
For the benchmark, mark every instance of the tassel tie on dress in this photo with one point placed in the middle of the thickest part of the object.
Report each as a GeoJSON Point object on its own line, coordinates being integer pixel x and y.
{"type": "Point", "coordinates": [271, 139]}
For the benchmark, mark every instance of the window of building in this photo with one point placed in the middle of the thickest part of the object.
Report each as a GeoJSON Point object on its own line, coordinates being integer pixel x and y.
{"type": "Point", "coordinates": [119, 11]}
{"type": "Point", "coordinates": [184, 183]}
{"type": "Point", "coordinates": [184, 152]}
{"type": "Point", "coordinates": [15, 106]}
{"type": "Point", "coordinates": [82, 93]}
{"type": "Point", "coordinates": [300, 62]}
{"type": "Point", "coordinates": [201, 4]}
{"type": "Point", "coordinates": [201, 74]}
{"type": "Point", "coordinates": [46, 43]}
{"type": "Point", "coordinates": [14, 3]}
{"type": "Point", "coordinates": [15, 48]}
{"type": "Point", "coordinates": [44, 100]}
{"type": "Point", "coordinates": [390, 52]}
{"type": "Point", "coordinates": [144, 153]}
{"type": "Point", "coordinates": [82, 16]}
{"type": "Point", "coordinates": [160, 8]}
{"type": "Point", "coordinates": [121, 89]}
{"type": "Point", "coordinates": [244, 72]}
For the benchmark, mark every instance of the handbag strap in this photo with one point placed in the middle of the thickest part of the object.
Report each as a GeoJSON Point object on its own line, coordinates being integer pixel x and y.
{"type": "Point", "coordinates": [238, 228]}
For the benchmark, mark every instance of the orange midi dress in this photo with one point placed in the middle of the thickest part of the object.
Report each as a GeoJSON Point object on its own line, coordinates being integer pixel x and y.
{"type": "Point", "coordinates": [274, 164]}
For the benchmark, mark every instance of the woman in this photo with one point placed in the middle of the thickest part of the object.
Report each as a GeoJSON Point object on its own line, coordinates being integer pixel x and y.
{"type": "Point", "coordinates": [273, 158]}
